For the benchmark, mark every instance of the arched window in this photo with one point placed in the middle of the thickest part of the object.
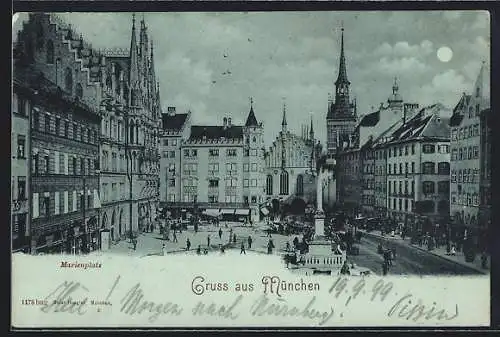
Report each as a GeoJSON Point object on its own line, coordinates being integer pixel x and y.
{"type": "Point", "coordinates": [284, 183]}
{"type": "Point", "coordinates": [300, 185]}
{"type": "Point", "coordinates": [269, 185]}
{"type": "Point", "coordinates": [50, 52]}
{"type": "Point", "coordinates": [68, 80]}
{"type": "Point", "coordinates": [79, 90]}
{"type": "Point", "coordinates": [131, 135]}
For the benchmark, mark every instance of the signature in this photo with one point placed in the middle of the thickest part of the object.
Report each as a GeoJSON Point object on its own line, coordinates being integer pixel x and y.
{"type": "Point", "coordinates": [410, 309]}
{"type": "Point", "coordinates": [67, 297]}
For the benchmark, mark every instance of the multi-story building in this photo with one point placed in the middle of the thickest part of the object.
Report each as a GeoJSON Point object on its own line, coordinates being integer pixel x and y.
{"type": "Point", "coordinates": [341, 116]}
{"type": "Point", "coordinates": [176, 129]}
{"type": "Point", "coordinates": [466, 160]}
{"type": "Point", "coordinates": [81, 85]}
{"type": "Point", "coordinates": [130, 129]}
{"type": "Point", "coordinates": [20, 164]}
{"type": "Point", "coordinates": [290, 165]}
{"type": "Point", "coordinates": [418, 167]}
{"type": "Point", "coordinates": [360, 195]}
{"type": "Point", "coordinates": [64, 142]}
{"type": "Point", "coordinates": [221, 169]}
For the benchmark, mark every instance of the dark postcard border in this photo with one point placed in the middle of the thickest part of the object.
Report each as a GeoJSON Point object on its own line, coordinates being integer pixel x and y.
{"type": "Point", "coordinates": [192, 6]}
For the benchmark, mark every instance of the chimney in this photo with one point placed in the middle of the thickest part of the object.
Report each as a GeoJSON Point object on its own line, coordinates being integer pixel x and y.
{"type": "Point", "coordinates": [224, 122]}
{"type": "Point", "coordinates": [229, 122]}
{"type": "Point", "coordinates": [171, 110]}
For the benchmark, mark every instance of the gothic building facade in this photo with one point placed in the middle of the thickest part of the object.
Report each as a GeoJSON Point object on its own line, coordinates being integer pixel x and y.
{"type": "Point", "coordinates": [290, 164]}
{"type": "Point", "coordinates": [94, 120]}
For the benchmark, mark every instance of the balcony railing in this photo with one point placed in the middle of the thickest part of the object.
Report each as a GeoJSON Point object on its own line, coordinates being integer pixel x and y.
{"type": "Point", "coordinates": [190, 204]}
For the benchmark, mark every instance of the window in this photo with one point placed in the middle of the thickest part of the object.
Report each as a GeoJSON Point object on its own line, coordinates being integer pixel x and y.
{"type": "Point", "coordinates": [428, 168]}
{"type": "Point", "coordinates": [476, 176]}
{"type": "Point", "coordinates": [47, 123]}
{"type": "Point", "coordinates": [213, 152]}
{"type": "Point", "coordinates": [172, 154]}
{"type": "Point", "coordinates": [213, 183]}
{"type": "Point", "coordinates": [254, 167]}
{"type": "Point", "coordinates": [453, 176]}
{"type": "Point", "coordinates": [174, 142]}
{"type": "Point", "coordinates": [428, 187]}
{"type": "Point", "coordinates": [476, 152]}
{"type": "Point", "coordinates": [460, 176]}
{"type": "Point", "coordinates": [284, 183]}
{"type": "Point", "coordinates": [469, 153]}
{"type": "Point", "coordinates": [400, 150]}
{"type": "Point", "coordinates": [231, 152]}
{"type": "Point", "coordinates": [429, 148]}
{"type": "Point", "coordinates": [406, 187]}
{"type": "Point", "coordinates": [444, 168]}
{"type": "Point", "coordinates": [245, 182]}
{"type": "Point", "coordinates": [165, 142]}
{"type": "Point", "coordinates": [269, 185]}
{"type": "Point", "coordinates": [36, 120]}
{"type": "Point", "coordinates": [253, 152]}
{"type": "Point", "coordinates": [412, 167]}
{"type": "Point", "coordinates": [406, 150]}
{"type": "Point", "coordinates": [68, 80]}
{"type": "Point", "coordinates": [213, 167]}
{"type": "Point", "coordinates": [412, 190]}
{"type": "Point", "coordinates": [194, 153]}
{"type": "Point", "coordinates": [454, 134]}
{"type": "Point", "coordinates": [476, 130]}
{"type": "Point", "coordinates": [21, 188]}
{"type": "Point", "coordinates": [254, 182]}
{"type": "Point", "coordinates": [245, 167]}
{"type": "Point", "coordinates": [186, 153]}
{"type": "Point", "coordinates": [46, 205]}
{"type": "Point", "coordinates": [400, 168]}
{"type": "Point", "coordinates": [460, 154]}
{"type": "Point", "coordinates": [47, 164]}
{"type": "Point", "coordinates": [443, 187]}
{"type": "Point", "coordinates": [171, 182]}
{"type": "Point", "coordinates": [21, 147]}
{"type": "Point", "coordinates": [454, 154]}
{"type": "Point", "coordinates": [82, 166]}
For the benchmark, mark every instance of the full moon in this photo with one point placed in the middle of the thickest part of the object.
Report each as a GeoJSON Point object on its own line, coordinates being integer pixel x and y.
{"type": "Point", "coordinates": [444, 54]}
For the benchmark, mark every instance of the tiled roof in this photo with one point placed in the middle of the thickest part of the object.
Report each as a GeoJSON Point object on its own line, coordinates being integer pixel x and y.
{"type": "Point", "coordinates": [173, 122]}
{"type": "Point", "coordinates": [430, 122]}
{"type": "Point", "coordinates": [216, 132]}
{"type": "Point", "coordinates": [371, 119]}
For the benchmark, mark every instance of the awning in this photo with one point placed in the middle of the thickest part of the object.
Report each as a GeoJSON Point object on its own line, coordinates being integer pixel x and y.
{"type": "Point", "coordinates": [227, 211]}
{"type": "Point", "coordinates": [264, 211]}
{"type": "Point", "coordinates": [242, 211]}
{"type": "Point", "coordinates": [211, 212]}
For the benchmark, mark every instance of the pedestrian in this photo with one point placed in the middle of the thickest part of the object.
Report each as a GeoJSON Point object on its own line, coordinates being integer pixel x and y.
{"type": "Point", "coordinates": [188, 244]}
{"type": "Point", "coordinates": [208, 241]}
{"type": "Point", "coordinates": [287, 248]}
{"type": "Point", "coordinates": [385, 268]}
{"type": "Point", "coordinates": [134, 242]}
{"type": "Point", "coordinates": [243, 249]}
{"type": "Point", "coordinates": [198, 250]}
{"type": "Point", "coordinates": [163, 250]}
{"type": "Point", "coordinates": [453, 250]}
{"type": "Point", "coordinates": [270, 246]}
{"type": "Point", "coordinates": [220, 233]}
{"type": "Point", "coordinates": [175, 237]}
{"type": "Point", "coordinates": [484, 260]}
{"type": "Point", "coordinates": [250, 242]}
{"type": "Point", "coordinates": [234, 238]}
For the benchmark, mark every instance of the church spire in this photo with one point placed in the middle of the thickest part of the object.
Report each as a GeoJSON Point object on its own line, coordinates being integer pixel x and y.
{"type": "Point", "coordinates": [134, 71]}
{"type": "Point", "coordinates": [395, 86]}
{"type": "Point", "coordinates": [311, 130]}
{"type": "Point", "coordinates": [283, 122]}
{"type": "Point", "coordinates": [342, 77]}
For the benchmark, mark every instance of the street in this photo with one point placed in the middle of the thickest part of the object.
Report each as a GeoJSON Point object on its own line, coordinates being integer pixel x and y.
{"type": "Point", "coordinates": [409, 260]}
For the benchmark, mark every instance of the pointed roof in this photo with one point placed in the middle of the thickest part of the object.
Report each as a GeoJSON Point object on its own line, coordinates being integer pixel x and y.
{"type": "Point", "coordinates": [342, 77]}
{"type": "Point", "coordinates": [482, 85]}
{"type": "Point", "coordinates": [134, 69]}
{"type": "Point", "coordinates": [251, 119]}
{"type": "Point", "coordinates": [283, 122]}
{"type": "Point", "coordinates": [311, 130]}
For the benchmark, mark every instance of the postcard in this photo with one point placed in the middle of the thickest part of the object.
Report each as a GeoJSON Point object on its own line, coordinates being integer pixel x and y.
{"type": "Point", "coordinates": [277, 169]}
